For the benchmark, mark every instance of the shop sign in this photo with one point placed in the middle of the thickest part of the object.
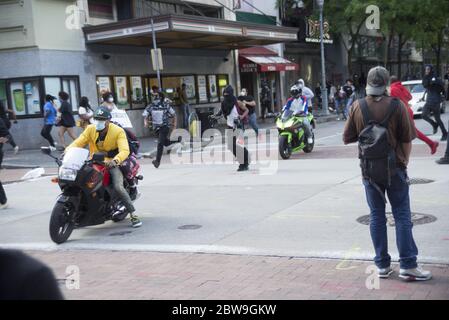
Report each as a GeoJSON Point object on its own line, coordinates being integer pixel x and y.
{"type": "Point", "coordinates": [248, 67]}
{"type": "Point", "coordinates": [136, 86]}
{"type": "Point", "coordinates": [202, 88]}
{"type": "Point", "coordinates": [313, 32]}
{"type": "Point", "coordinates": [122, 92]}
{"type": "Point", "coordinates": [213, 88]}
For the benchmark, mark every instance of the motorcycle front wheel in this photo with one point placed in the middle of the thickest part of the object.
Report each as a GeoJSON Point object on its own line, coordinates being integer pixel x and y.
{"type": "Point", "coordinates": [284, 148]}
{"type": "Point", "coordinates": [61, 226]}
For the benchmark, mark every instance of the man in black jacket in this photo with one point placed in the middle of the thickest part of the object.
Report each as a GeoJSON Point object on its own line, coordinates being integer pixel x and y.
{"type": "Point", "coordinates": [435, 89]}
{"type": "Point", "coordinates": [25, 278]}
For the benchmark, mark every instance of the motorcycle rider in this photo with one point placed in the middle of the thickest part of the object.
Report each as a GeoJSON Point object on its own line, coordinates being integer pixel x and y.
{"type": "Point", "coordinates": [104, 136]}
{"type": "Point", "coordinates": [299, 104]}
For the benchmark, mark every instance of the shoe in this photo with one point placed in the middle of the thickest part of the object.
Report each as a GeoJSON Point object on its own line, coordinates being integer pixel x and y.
{"type": "Point", "coordinates": [156, 164]}
{"type": "Point", "coordinates": [243, 167]}
{"type": "Point", "coordinates": [52, 149]}
{"type": "Point", "coordinates": [384, 273]}
{"type": "Point", "coordinates": [417, 274]}
{"type": "Point", "coordinates": [4, 206]}
{"type": "Point", "coordinates": [435, 129]}
{"type": "Point", "coordinates": [16, 149]}
{"type": "Point", "coordinates": [434, 147]}
{"type": "Point", "coordinates": [444, 137]}
{"type": "Point", "coordinates": [444, 160]}
{"type": "Point", "coordinates": [135, 221]}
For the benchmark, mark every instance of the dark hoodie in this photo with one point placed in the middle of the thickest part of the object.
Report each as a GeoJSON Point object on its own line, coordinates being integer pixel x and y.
{"type": "Point", "coordinates": [434, 87]}
{"type": "Point", "coordinates": [229, 101]}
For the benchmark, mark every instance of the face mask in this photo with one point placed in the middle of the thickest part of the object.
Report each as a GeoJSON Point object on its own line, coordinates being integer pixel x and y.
{"type": "Point", "coordinates": [110, 99]}
{"type": "Point", "coordinates": [100, 125]}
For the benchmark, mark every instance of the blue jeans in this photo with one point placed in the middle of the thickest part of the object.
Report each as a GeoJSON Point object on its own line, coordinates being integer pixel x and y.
{"type": "Point", "coordinates": [253, 123]}
{"type": "Point", "coordinates": [398, 194]}
{"type": "Point", "coordinates": [185, 113]}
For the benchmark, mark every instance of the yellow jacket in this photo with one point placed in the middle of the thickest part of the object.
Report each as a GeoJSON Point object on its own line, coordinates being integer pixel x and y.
{"type": "Point", "coordinates": [115, 139]}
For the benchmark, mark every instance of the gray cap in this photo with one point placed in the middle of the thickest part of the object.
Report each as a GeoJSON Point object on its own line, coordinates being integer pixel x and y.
{"type": "Point", "coordinates": [377, 81]}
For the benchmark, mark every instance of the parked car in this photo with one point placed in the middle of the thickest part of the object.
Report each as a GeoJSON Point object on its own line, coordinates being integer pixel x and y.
{"type": "Point", "coordinates": [418, 93]}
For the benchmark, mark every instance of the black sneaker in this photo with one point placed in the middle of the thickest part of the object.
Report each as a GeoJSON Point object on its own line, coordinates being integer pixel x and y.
{"type": "Point", "coordinates": [156, 164]}
{"type": "Point", "coordinates": [243, 167]}
{"type": "Point", "coordinates": [444, 137]}
{"type": "Point", "coordinates": [435, 129]}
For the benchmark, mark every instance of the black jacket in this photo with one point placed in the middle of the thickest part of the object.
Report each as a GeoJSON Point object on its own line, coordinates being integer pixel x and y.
{"type": "Point", "coordinates": [434, 87]}
{"type": "Point", "coordinates": [24, 278]}
{"type": "Point", "coordinates": [4, 132]}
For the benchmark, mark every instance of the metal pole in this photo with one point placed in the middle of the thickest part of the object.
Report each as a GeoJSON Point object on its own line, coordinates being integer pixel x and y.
{"type": "Point", "coordinates": [323, 66]}
{"type": "Point", "coordinates": [156, 55]}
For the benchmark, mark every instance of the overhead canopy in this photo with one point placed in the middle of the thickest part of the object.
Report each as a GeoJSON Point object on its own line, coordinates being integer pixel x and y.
{"type": "Point", "coordinates": [181, 31]}
{"type": "Point", "coordinates": [260, 59]}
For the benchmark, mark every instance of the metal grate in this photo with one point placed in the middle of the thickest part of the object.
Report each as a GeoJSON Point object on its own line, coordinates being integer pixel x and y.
{"type": "Point", "coordinates": [190, 227]}
{"type": "Point", "coordinates": [420, 181]}
{"type": "Point", "coordinates": [120, 233]}
{"type": "Point", "coordinates": [417, 219]}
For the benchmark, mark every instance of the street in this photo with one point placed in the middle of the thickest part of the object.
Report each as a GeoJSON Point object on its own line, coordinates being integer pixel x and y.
{"type": "Point", "coordinates": [298, 223]}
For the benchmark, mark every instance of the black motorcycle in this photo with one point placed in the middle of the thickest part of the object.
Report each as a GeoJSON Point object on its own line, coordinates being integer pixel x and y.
{"type": "Point", "coordinates": [88, 197]}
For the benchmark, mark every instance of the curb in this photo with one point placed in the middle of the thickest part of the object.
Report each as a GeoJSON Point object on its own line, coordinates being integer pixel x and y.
{"type": "Point", "coordinates": [20, 166]}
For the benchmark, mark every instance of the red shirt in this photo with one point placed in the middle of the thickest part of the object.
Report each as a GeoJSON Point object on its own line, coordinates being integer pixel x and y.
{"type": "Point", "coordinates": [397, 90]}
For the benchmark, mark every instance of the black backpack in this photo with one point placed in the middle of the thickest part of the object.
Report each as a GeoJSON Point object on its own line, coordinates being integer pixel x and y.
{"type": "Point", "coordinates": [133, 142]}
{"type": "Point", "coordinates": [377, 157]}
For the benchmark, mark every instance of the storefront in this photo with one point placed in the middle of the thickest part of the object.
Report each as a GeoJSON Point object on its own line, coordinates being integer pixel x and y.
{"type": "Point", "coordinates": [197, 51]}
{"type": "Point", "coordinates": [260, 65]}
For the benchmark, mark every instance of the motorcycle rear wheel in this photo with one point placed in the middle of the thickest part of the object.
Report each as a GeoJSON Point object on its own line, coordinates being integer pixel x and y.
{"type": "Point", "coordinates": [60, 226]}
{"type": "Point", "coordinates": [309, 147]}
{"type": "Point", "coordinates": [285, 149]}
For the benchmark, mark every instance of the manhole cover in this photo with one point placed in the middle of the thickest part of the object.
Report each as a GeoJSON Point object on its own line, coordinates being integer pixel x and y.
{"type": "Point", "coordinates": [190, 227]}
{"type": "Point", "coordinates": [420, 181]}
{"type": "Point", "coordinates": [417, 219]}
{"type": "Point", "coordinates": [120, 233]}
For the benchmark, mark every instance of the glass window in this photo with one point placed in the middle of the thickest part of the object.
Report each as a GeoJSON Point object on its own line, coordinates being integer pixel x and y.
{"type": "Point", "coordinates": [223, 81]}
{"type": "Point", "coordinates": [190, 88]}
{"type": "Point", "coordinates": [202, 89]}
{"type": "Point", "coordinates": [25, 98]}
{"type": "Point", "coordinates": [103, 85]}
{"type": "Point", "coordinates": [101, 9]}
{"type": "Point", "coordinates": [137, 96]}
{"type": "Point", "coordinates": [212, 87]}
{"type": "Point", "coordinates": [3, 96]}
{"type": "Point", "coordinates": [121, 92]}
{"type": "Point", "coordinates": [52, 86]}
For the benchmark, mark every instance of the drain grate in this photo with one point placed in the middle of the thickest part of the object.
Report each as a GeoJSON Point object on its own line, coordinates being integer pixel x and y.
{"type": "Point", "coordinates": [417, 219]}
{"type": "Point", "coordinates": [421, 181]}
{"type": "Point", "coordinates": [120, 233]}
{"type": "Point", "coordinates": [190, 227]}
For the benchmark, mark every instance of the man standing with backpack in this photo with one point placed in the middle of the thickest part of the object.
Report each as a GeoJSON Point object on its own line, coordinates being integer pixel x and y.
{"type": "Point", "coordinates": [383, 128]}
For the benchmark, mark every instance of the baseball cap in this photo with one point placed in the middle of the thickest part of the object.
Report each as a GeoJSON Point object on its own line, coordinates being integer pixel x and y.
{"type": "Point", "coordinates": [377, 81]}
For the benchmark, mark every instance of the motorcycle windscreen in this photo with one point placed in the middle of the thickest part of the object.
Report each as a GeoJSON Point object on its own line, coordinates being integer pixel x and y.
{"type": "Point", "coordinates": [286, 115]}
{"type": "Point", "coordinates": [75, 158]}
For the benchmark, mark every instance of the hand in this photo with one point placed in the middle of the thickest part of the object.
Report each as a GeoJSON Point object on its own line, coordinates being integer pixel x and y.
{"type": "Point", "coordinates": [15, 121]}
{"type": "Point", "coordinates": [111, 164]}
{"type": "Point", "coordinates": [3, 140]}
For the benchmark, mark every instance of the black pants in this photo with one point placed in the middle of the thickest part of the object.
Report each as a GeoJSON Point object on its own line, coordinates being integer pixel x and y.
{"type": "Point", "coordinates": [1, 154]}
{"type": "Point", "coordinates": [241, 153]}
{"type": "Point", "coordinates": [46, 133]}
{"type": "Point", "coordinates": [3, 198]}
{"type": "Point", "coordinates": [437, 115]}
{"type": "Point", "coordinates": [163, 141]}
{"type": "Point", "coordinates": [266, 106]}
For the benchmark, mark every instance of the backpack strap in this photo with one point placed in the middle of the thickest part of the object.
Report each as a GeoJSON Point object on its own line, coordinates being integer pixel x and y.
{"type": "Point", "coordinates": [365, 111]}
{"type": "Point", "coordinates": [393, 106]}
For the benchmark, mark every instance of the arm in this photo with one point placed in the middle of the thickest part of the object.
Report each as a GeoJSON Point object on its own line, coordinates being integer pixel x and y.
{"type": "Point", "coordinates": [82, 140]}
{"type": "Point", "coordinates": [350, 134]}
{"type": "Point", "coordinates": [242, 106]}
{"type": "Point", "coordinates": [123, 147]}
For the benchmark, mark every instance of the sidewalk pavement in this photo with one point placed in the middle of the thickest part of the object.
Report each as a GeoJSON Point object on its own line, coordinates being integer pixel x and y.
{"type": "Point", "coordinates": [173, 276]}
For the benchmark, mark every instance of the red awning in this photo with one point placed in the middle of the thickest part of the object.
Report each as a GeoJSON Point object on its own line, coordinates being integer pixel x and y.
{"type": "Point", "coordinates": [261, 59]}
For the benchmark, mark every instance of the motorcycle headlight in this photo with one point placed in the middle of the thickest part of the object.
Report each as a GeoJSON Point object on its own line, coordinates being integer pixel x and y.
{"type": "Point", "coordinates": [67, 174]}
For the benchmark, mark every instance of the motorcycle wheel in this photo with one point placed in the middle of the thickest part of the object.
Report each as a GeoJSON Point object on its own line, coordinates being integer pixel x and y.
{"type": "Point", "coordinates": [60, 226]}
{"type": "Point", "coordinates": [284, 148]}
{"type": "Point", "coordinates": [309, 147]}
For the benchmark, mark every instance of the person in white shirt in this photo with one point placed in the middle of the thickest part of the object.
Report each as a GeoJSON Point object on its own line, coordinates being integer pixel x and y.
{"type": "Point", "coordinates": [85, 112]}
{"type": "Point", "coordinates": [306, 91]}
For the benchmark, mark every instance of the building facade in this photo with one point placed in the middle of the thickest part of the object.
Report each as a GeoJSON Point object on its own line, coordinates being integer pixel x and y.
{"type": "Point", "coordinates": [86, 47]}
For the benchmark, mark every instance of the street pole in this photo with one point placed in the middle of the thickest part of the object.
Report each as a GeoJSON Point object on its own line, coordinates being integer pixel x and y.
{"type": "Point", "coordinates": [323, 65]}
{"type": "Point", "coordinates": [156, 54]}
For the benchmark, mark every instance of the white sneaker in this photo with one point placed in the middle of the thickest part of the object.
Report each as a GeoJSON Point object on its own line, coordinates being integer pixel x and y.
{"type": "Point", "coordinates": [52, 149]}
{"type": "Point", "coordinates": [417, 274]}
{"type": "Point", "coordinates": [16, 149]}
{"type": "Point", "coordinates": [384, 273]}
{"type": "Point", "coordinates": [4, 206]}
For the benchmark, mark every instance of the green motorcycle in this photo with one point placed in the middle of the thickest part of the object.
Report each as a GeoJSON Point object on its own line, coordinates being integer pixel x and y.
{"type": "Point", "coordinates": [292, 137]}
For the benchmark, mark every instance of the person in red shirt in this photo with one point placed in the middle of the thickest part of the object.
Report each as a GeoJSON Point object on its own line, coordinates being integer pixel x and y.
{"type": "Point", "coordinates": [399, 91]}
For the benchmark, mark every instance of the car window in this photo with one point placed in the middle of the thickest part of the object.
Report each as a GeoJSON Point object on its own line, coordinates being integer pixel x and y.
{"type": "Point", "coordinates": [418, 88]}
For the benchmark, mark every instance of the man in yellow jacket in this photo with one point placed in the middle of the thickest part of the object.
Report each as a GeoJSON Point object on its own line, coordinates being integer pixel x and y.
{"type": "Point", "coordinates": [108, 138]}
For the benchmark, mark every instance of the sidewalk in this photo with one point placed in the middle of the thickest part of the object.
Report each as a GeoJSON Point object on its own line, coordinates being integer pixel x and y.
{"type": "Point", "coordinates": [171, 276]}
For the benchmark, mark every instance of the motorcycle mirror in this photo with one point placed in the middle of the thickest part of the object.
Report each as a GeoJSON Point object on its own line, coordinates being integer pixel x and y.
{"type": "Point", "coordinates": [46, 150]}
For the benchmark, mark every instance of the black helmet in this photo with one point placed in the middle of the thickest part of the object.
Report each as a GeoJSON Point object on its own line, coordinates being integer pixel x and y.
{"type": "Point", "coordinates": [102, 113]}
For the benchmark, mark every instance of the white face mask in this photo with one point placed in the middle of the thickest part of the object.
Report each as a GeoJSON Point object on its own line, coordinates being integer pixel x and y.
{"type": "Point", "coordinates": [100, 125]}
{"type": "Point", "coordinates": [110, 99]}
